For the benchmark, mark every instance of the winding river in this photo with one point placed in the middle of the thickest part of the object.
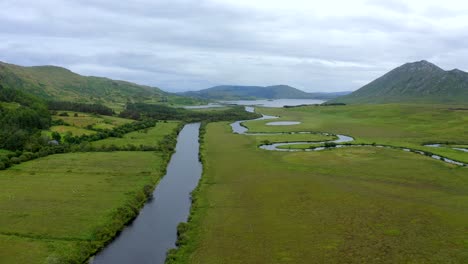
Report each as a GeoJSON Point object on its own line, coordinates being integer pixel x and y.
{"type": "Point", "coordinates": [154, 231]}
{"type": "Point", "coordinates": [239, 128]}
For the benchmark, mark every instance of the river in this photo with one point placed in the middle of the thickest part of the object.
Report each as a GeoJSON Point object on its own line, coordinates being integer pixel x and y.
{"type": "Point", "coordinates": [154, 231]}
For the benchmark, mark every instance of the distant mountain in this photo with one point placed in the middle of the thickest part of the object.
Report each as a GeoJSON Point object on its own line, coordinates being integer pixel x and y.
{"type": "Point", "coordinates": [417, 82]}
{"type": "Point", "coordinates": [56, 83]}
{"type": "Point", "coordinates": [236, 92]}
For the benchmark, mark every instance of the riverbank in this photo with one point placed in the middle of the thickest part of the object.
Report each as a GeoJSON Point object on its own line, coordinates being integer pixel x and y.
{"type": "Point", "coordinates": [63, 208]}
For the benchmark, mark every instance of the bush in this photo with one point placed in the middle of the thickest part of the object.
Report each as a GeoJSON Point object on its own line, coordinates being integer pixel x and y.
{"type": "Point", "coordinates": [182, 237]}
{"type": "Point", "coordinates": [56, 136]}
{"type": "Point", "coordinates": [15, 160]}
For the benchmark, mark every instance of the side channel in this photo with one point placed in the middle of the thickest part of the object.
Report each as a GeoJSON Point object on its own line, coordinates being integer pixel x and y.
{"type": "Point", "coordinates": [154, 231]}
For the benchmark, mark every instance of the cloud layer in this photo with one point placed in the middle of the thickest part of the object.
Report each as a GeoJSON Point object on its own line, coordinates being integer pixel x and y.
{"type": "Point", "coordinates": [192, 44]}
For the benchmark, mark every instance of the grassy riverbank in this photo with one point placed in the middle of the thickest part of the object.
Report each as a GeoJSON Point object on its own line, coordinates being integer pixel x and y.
{"type": "Point", "coordinates": [147, 137]}
{"type": "Point", "coordinates": [362, 204]}
{"type": "Point", "coordinates": [62, 208]}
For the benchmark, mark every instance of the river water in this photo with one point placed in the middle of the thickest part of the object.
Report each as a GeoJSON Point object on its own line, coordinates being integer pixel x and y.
{"type": "Point", "coordinates": [154, 231]}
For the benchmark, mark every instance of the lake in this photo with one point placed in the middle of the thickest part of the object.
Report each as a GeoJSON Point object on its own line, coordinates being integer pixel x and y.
{"type": "Point", "coordinates": [275, 103]}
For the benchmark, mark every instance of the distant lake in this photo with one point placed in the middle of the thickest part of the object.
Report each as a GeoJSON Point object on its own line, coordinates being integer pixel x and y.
{"type": "Point", "coordinates": [210, 105]}
{"type": "Point", "coordinates": [275, 103]}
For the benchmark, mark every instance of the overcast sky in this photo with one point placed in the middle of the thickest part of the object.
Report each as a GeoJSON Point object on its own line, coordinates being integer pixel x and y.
{"type": "Point", "coordinates": [188, 44]}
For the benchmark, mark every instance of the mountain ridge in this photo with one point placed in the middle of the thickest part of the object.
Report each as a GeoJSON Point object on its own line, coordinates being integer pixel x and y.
{"type": "Point", "coordinates": [51, 82]}
{"type": "Point", "coordinates": [414, 82]}
{"type": "Point", "coordinates": [244, 92]}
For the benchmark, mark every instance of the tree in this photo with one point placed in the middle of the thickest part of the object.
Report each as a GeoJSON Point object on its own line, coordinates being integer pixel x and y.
{"type": "Point", "coordinates": [56, 136]}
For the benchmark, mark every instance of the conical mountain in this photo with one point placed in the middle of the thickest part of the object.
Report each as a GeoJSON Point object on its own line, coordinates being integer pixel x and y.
{"type": "Point", "coordinates": [417, 82]}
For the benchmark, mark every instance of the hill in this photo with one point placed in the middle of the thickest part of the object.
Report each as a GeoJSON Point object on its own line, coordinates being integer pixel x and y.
{"type": "Point", "coordinates": [236, 92]}
{"type": "Point", "coordinates": [60, 84]}
{"type": "Point", "coordinates": [417, 82]}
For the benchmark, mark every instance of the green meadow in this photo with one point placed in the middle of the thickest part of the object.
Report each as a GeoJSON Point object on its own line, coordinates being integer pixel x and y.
{"type": "Point", "coordinates": [62, 208]}
{"type": "Point", "coordinates": [146, 137]}
{"type": "Point", "coordinates": [347, 205]}
{"type": "Point", "coordinates": [78, 123]}
{"type": "Point", "coordinates": [83, 120]}
{"type": "Point", "coordinates": [75, 131]}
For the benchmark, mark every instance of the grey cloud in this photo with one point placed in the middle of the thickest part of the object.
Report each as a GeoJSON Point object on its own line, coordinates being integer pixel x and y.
{"type": "Point", "coordinates": [192, 44]}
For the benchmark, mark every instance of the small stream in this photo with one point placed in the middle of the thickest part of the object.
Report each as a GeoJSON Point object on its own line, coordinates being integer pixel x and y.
{"type": "Point", "coordinates": [147, 239]}
{"type": "Point", "coordinates": [239, 128]}
{"type": "Point", "coordinates": [441, 146]}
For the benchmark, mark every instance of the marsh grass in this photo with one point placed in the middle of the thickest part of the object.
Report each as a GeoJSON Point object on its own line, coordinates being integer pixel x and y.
{"type": "Point", "coordinates": [359, 205]}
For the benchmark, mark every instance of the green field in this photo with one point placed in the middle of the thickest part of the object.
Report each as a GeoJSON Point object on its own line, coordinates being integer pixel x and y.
{"type": "Point", "coordinates": [83, 120]}
{"type": "Point", "coordinates": [62, 208]}
{"type": "Point", "coordinates": [75, 131]}
{"type": "Point", "coordinates": [82, 123]}
{"type": "Point", "coordinates": [58, 205]}
{"type": "Point", "coordinates": [146, 137]}
{"type": "Point", "coordinates": [347, 205]}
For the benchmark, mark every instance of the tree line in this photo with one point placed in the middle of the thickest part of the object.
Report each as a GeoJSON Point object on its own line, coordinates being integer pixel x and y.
{"type": "Point", "coordinates": [80, 107]}
{"type": "Point", "coordinates": [78, 143]}
{"type": "Point", "coordinates": [140, 111]}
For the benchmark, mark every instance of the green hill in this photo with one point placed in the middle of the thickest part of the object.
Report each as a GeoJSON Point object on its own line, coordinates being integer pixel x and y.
{"type": "Point", "coordinates": [417, 82]}
{"type": "Point", "coordinates": [236, 92]}
{"type": "Point", "coordinates": [60, 84]}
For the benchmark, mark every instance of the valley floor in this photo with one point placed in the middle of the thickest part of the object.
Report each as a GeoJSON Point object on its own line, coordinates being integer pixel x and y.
{"type": "Point", "coordinates": [347, 205]}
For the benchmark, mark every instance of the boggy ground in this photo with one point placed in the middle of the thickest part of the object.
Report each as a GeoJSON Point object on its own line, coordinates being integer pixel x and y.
{"type": "Point", "coordinates": [409, 126]}
{"type": "Point", "coordinates": [348, 205]}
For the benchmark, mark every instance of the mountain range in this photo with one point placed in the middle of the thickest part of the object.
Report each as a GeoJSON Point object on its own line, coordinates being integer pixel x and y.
{"type": "Point", "coordinates": [238, 92]}
{"type": "Point", "coordinates": [416, 82]}
{"type": "Point", "coordinates": [56, 83]}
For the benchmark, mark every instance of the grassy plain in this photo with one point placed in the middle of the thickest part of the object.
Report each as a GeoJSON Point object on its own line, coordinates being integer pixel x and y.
{"type": "Point", "coordinates": [391, 124]}
{"type": "Point", "coordinates": [55, 207]}
{"type": "Point", "coordinates": [350, 205]}
{"type": "Point", "coordinates": [61, 208]}
{"type": "Point", "coordinates": [75, 131]}
{"type": "Point", "coordinates": [83, 120]}
{"type": "Point", "coordinates": [146, 137]}
{"type": "Point", "coordinates": [78, 125]}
